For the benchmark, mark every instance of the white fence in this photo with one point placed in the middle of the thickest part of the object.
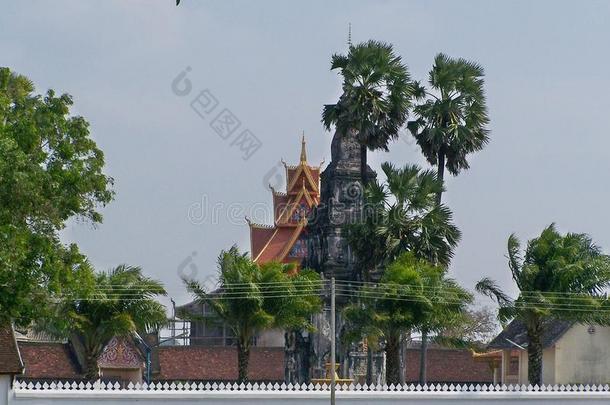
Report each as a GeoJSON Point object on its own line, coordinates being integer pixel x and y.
{"type": "Point", "coordinates": [28, 393]}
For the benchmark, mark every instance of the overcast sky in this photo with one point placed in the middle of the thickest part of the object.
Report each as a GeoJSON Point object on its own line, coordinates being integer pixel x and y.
{"type": "Point", "coordinates": [267, 62]}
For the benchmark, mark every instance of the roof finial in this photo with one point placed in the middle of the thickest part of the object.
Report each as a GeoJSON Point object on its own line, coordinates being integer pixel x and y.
{"type": "Point", "coordinates": [349, 34]}
{"type": "Point", "coordinates": [303, 151]}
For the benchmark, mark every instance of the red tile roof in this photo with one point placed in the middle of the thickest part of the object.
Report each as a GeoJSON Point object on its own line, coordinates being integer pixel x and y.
{"type": "Point", "coordinates": [10, 360]}
{"type": "Point", "coordinates": [48, 360]}
{"type": "Point", "coordinates": [448, 366]}
{"type": "Point", "coordinates": [218, 363]}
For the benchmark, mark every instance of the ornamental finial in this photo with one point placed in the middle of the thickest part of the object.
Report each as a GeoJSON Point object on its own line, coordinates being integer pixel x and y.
{"type": "Point", "coordinates": [349, 35]}
{"type": "Point", "coordinates": [303, 151]}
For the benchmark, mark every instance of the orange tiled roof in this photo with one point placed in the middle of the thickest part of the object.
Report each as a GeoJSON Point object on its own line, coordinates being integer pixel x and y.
{"type": "Point", "coordinates": [302, 194]}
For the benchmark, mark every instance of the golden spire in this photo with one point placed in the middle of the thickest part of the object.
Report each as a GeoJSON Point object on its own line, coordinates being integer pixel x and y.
{"type": "Point", "coordinates": [303, 152]}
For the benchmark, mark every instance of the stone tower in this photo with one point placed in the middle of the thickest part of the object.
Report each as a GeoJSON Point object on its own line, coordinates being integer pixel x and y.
{"type": "Point", "coordinates": [341, 202]}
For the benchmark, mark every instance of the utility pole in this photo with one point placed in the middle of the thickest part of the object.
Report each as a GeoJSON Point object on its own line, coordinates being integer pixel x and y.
{"type": "Point", "coordinates": [332, 341]}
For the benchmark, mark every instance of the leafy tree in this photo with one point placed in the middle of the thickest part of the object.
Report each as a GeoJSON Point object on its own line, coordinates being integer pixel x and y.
{"type": "Point", "coordinates": [50, 172]}
{"type": "Point", "coordinates": [253, 298]}
{"type": "Point", "coordinates": [476, 327]}
{"type": "Point", "coordinates": [451, 120]}
{"type": "Point", "coordinates": [376, 97]}
{"type": "Point", "coordinates": [398, 303]}
{"type": "Point", "coordinates": [123, 301]}
{"type": "Point", "coordinates": [560, 277]}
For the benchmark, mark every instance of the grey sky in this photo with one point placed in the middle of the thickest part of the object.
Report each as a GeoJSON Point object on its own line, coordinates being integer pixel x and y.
{"type": "Point", "coordinates": [547, 81]}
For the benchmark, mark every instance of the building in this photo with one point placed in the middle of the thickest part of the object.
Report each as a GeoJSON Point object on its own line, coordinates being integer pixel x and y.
{"type": "Point", "coordinates": [573, 353]}
{"type": "Point", "coordinates": [11, 363]}
{"type": "Point", "coordinates": [38, 357]}
{"type": "Point", "coordinates": [47, 358]}
{"type": "Point", "coordinates": [285, 240]}
{"type": "Point", "coordinates": [341, 203]}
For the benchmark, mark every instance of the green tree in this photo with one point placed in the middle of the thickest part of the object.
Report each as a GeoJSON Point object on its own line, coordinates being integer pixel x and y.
{"type": "Point", "coordinates": [398, 303]}
{"type": "Point", "coordinates": [401, 216]}
{"type": "Point", "coordinates": [410, 219]}
{"type": "Point", "coordinates": [451, 120]}
{"type": "Point", "coordinates": [559, 277]}
{"type": "Point", "coordinates": [122, 302]}
{"type": "Point", "coordinates": [50, 172]}
{"type": "Point", "coordinates": [253, 298]}
{"type": "Point", "coordinates": [376, 97]}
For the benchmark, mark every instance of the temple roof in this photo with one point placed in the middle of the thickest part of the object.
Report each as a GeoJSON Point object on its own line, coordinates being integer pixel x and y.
{"type": "Point", "coordinates": [290, 209]}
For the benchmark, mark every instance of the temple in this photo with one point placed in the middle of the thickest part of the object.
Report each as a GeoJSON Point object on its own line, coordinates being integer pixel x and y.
{"type": "Point", "coordinates": [285, 240]}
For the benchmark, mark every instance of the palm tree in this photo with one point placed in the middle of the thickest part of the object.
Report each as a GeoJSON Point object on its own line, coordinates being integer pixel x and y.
{"type": "Point", "coordinates": [559, 277]}
{"type": "Point", "coordinates": [401, 216]}
{"type": "Point", "coordinates": [123, 302]}
{"type": "Point", "coordinates": [376, 97]}
{"type": "Point", "coordinates": [411, 220]}
{"type": "Point", "coordinates": [398, 303]}
{"type": "Point", "coordinates": [451, 120]}
{"type": "Point", "coordinates": [253, 298]}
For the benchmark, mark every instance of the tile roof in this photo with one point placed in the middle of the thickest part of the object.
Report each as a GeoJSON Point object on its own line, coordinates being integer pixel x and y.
{"type": "Point", "coordinates": [218, 363]}
{"type": "Point", "coordinates": [48, 360]}
{"type": "Point", "coordinates": [516, 332]}
{"type": "Point", "coordinates": [10, 359]}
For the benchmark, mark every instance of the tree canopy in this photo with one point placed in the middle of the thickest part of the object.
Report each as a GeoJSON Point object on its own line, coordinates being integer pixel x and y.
{"type": "Point", "coordinates": [376, 98]}
{"type": "Point", "coordinates": [412, 293]}
{"type": "Point", "coordinates": [401, 215]}
{"type": "Point", "coordinates": [123, 301]}
{"type": "Point", "coordinates": [252, 298]}
{"type": "Point", "coordinates": [50, 171]}
{"type": "Point", "coordinates": [559, 277]}
{"type": "Point", "coordinates": [452, 116]}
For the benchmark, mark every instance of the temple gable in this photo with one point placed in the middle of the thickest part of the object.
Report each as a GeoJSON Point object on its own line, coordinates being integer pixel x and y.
{"type": "Point", "coordinates": [285, 241]}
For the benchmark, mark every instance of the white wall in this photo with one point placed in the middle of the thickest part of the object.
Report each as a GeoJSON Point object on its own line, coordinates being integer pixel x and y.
{"type": "Point", "coordinates": [583, 358]}
{"type": "Point", "coordinates": [272, 396]}
{"type": "Point", "coordinates": [5, 386]}
{"type": "Point", "coordinates": [548, 366]}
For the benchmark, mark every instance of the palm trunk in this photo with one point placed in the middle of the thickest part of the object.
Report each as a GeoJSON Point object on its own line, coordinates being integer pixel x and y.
{"type": "Point", "coordinates": [403, 358]}
{"type": "Point", "coordinates": [369, 365]}
{"type": "Point", "coordinates": [243, 358]}
{"type": "Point", "coordinates": [392, 351]}
{"type": "Point", "coordinates": [423, 358]}
{"type": "Point", "coordinates": [534, 353]}
{"type": "Point", "coordinates": [92, 371]}
{"type": "Point", "coordinates": [363, 166]}
{"type": "Point", "coordinates": [441, 174]}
